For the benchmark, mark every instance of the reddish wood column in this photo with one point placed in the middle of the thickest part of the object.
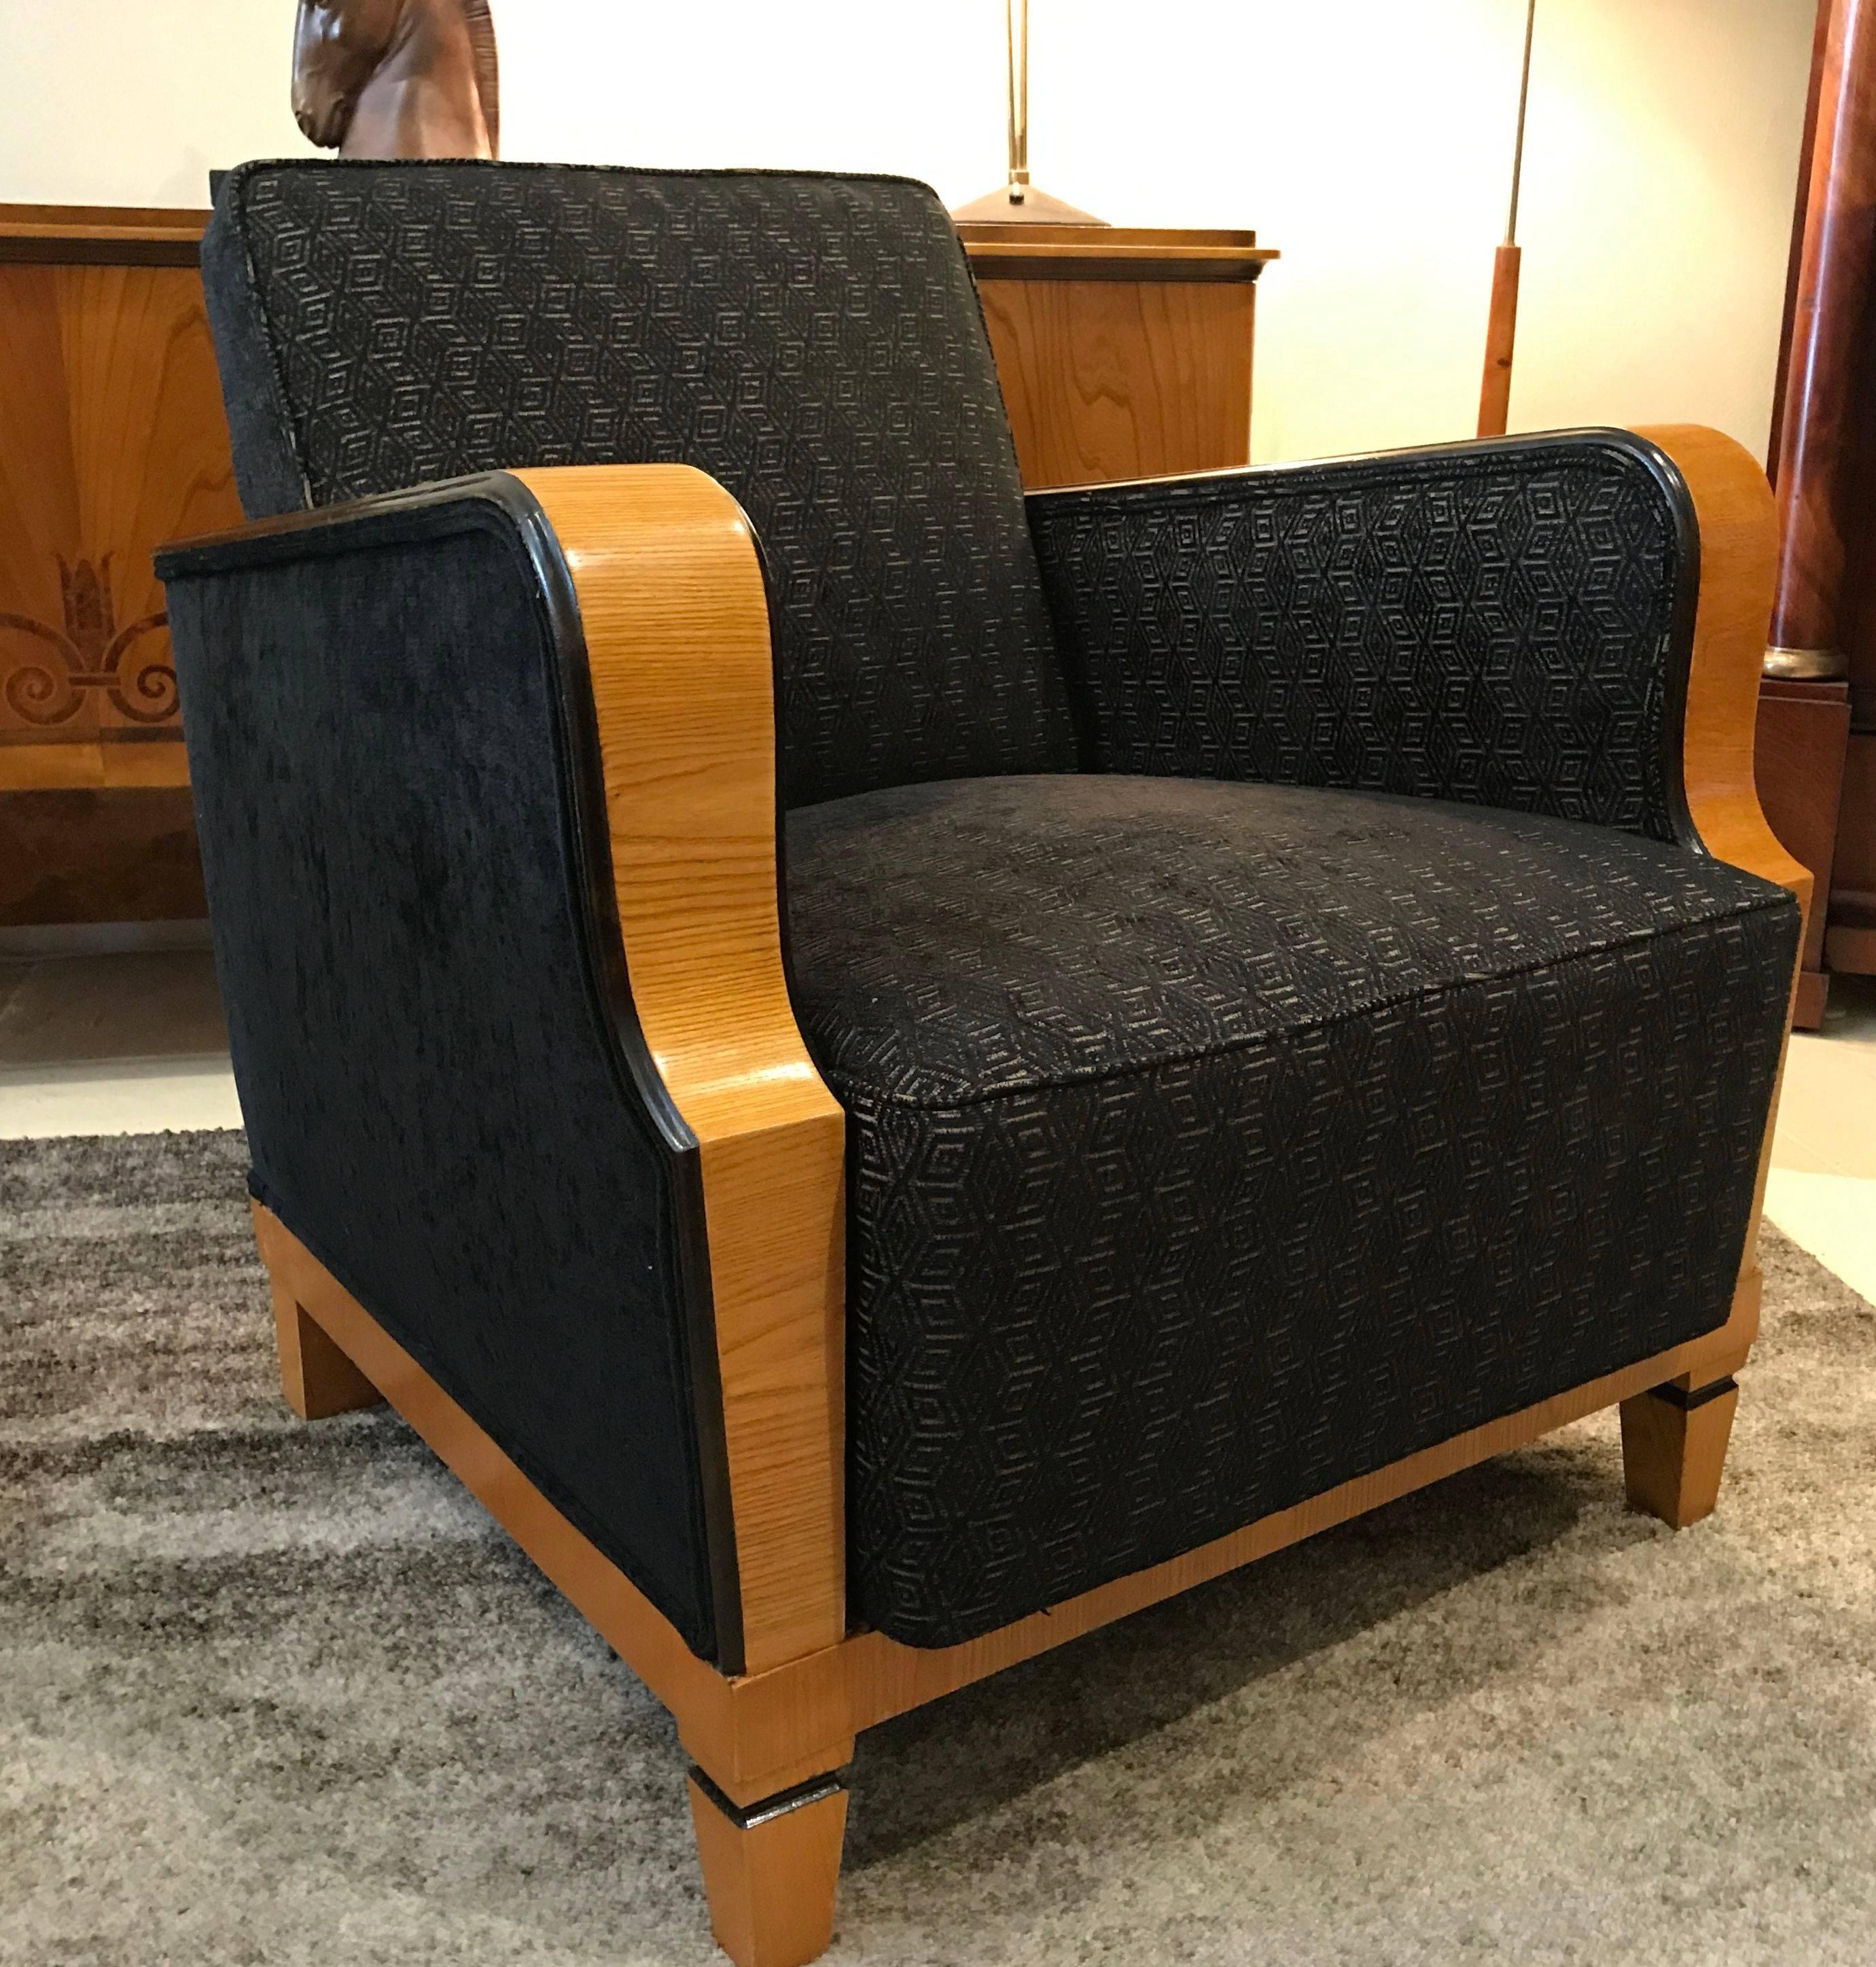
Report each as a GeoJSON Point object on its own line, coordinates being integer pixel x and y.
{"type": "Point", "coordinates": [1824, 466]}
{"type": "Point", "coordinates": [1817, 437]}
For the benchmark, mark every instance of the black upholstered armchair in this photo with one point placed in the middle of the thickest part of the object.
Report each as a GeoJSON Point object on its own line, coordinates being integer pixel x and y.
{"type": "Point", "coordinates": [891, 1071]}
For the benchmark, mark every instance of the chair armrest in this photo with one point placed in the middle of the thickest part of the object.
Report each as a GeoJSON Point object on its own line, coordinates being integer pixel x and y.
{"type": "Point", "coordinates": [645, 584]}
{"type": "Point", "coordinates": [663, 565]}
{"type": "Point", "coordinates": [1737, 521]}
{"type": "Point", "coordinates": [1565, 624]}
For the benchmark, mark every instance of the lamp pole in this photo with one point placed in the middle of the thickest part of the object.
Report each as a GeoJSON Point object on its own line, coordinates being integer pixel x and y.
{"type": "Point", "coordinates": [1501, 328]}
{"type": "Point", "coordinates": [1018, 201]}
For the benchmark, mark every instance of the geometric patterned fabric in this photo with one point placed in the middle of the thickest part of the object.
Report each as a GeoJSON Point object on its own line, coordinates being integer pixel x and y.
{"type": "Point", "coordinates": [814, 342]}
{"type": "Point", "coordinates": [1485, 624]}
{"type": "Point", "coordinates": [1213, 1144]}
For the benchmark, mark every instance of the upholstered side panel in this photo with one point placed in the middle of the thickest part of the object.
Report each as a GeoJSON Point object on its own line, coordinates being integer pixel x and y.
{"type": "Point", "coordinates": [436, 1099]}
{"type": "Point", "coordinates": [1507, 624]}
{"type": "Point", "coordinates": [1215, 1144]}
{"type": "Point", "coordinates": [814, 342]}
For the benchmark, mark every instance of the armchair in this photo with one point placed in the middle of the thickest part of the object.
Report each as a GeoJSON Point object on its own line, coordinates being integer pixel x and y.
{"type": "Point", "coordinates": [891, 1073]}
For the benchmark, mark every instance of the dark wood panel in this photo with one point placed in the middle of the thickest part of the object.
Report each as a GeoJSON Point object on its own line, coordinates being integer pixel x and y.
{"type": "Point", "coordinates": [1850, 943]}
{"type": "Point", "coordinates": [1824, 404]}
{"type": "Point", "coordinates": [92, 857]}
{"type": "Point", "coordinates": [1802, 730]}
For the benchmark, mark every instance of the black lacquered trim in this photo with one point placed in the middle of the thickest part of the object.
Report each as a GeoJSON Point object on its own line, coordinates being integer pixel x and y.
{"type": "Point", "coordinates": [818, 1789]}
{"type": "Point", "coordinates": [1679, 1396]}
{"type": "Point", "coordinates": [498, 504]}
{"type": "Point", "coordinates": [1525, 449]}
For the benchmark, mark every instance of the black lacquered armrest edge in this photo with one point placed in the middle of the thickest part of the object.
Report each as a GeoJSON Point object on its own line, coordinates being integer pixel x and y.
{"type": "Point", "coordinates": [494, 501]}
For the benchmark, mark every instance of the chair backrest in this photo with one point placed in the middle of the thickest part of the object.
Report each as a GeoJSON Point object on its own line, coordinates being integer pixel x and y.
{"type": "Point", "coordinates": [814, 341]}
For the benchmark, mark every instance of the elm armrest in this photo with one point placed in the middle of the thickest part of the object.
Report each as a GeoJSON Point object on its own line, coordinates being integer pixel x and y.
{"type": "Point", "coordinates": [1567, 624]}
{"type": "Point", "coordinates": [485, 778]}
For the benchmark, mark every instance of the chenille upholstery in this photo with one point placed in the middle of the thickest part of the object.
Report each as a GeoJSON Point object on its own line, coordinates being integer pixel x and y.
{"type": "Point", "coordinates": [416, 1010]}
{"type": "Point", "coordinates": [1282, 1016]}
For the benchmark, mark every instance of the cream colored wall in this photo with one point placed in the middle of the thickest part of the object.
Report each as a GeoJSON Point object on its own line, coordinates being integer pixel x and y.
{"type": "Point", "coordinates": [1368, 139]}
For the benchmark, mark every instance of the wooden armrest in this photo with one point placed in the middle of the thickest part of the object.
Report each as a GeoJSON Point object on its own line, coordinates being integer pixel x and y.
{"type": "Point", "coordinates": [1738, 523]}
{"type": "Point", "coordinates": [1739, 552]}
{"type": "Point", "coordinates": [650, 576]}
{"type": "Point", "coordinates": [664, 567]}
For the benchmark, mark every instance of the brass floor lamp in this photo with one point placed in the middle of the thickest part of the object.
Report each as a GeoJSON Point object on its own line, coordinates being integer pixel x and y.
{"type": "Point", "coordinates": [1501, 329]}
{"type": "Point", "coordinates": [1018, 202]}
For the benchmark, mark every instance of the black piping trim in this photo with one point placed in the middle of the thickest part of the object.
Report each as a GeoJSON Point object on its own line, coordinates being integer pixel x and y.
{"type": "Point", "coordinates": [817, 1789]}
{"type": "Point", "coordinates": [1680, 1396]}
{"type": "Point", "coordinates": [499, 504]}
{"type": "Point", "coordinates": [1305, 474]}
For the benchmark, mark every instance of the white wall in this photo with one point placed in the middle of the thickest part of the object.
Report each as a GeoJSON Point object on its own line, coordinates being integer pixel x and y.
{"type": "Point", "coordinates": [1370, 139]}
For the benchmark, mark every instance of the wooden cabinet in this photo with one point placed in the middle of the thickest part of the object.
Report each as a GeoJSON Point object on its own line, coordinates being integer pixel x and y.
{"type": "Point", "coordinates": [1124, 352]}
{"type": "Point", "coordinates": [1850, 938]}
{"type": "Point", "coordinates": [112, 440]}
{"type": "Point", "coordinates": [1799, 755]}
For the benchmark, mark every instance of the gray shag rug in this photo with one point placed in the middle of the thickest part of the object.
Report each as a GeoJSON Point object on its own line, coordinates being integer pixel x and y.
{"type": "Point", "coordinates": [273, 1693]}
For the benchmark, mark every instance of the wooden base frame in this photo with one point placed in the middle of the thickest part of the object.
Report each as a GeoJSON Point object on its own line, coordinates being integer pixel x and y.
{"type": "Point", "coordinates": [759, 1738]}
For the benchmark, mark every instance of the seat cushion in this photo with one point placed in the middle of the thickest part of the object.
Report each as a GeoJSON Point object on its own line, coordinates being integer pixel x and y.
{"type": "Point", "coordinates": [1211, 1145]}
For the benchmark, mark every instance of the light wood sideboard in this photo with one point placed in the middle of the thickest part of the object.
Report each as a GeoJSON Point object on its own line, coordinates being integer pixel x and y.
{"type": "Point", "coordinates": [1124, 351]}
{"type": "Point", "coordinates": [112, 440]}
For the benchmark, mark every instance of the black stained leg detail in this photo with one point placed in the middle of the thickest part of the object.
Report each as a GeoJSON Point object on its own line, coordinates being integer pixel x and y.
{"type": "Point", "coordinates": [817, 1789]}
{"type": "Point", "coordinates": [1679, 1396]}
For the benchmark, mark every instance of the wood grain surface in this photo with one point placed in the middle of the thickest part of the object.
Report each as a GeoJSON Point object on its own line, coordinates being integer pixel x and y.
{"type": "Point", "coordinates": [1107, 379]}
{"type": "Point", "coordinates": [1818, 431]}
{"type": "Point", "coordinates": [676, 622]}
{"type": "Point", "coordinates": [1501, 339]}
{"type": "Point", "coordinates": [1803, 730]}
{"type": "Point", "coordinates": [112, 439]}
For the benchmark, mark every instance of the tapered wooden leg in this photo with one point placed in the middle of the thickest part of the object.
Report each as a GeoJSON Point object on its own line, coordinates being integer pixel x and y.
{"type": "Point", "coordinates": [317, 1378]}
{"type": "Point", "coordinates": [1674, 1449]}
{"type": "Point", "coordinates": [771, 1872]}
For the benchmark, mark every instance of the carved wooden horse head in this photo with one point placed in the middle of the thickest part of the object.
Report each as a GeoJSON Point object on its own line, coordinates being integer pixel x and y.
{"type": "Point", "coordinates": [397, 78]}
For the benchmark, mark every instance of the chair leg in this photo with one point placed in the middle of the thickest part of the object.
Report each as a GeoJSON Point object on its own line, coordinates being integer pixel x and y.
{"type": "Point", "coordinates": [771, 1872]}
{"type": "Point", "coordinates": [317, 1378]}
{"type": "Point", "coordinates": [1674, 1449]}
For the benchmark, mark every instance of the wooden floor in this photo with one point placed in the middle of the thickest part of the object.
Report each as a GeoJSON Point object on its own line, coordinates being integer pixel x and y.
{"type": "Point", "coordinates": [133, 1043]}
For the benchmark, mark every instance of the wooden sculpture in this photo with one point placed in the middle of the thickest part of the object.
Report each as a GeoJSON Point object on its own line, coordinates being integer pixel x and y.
{"type": "Point", "coordinates": [398, 78]}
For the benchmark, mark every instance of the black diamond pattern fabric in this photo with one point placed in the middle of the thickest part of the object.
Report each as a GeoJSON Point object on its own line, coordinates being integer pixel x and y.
{"type": "Point", "coordinates": [1488, 623]}
{"type": "Point", "coordinates": [1213, 1144]}
{"type": "Point", "coordinates": [814, 342]}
